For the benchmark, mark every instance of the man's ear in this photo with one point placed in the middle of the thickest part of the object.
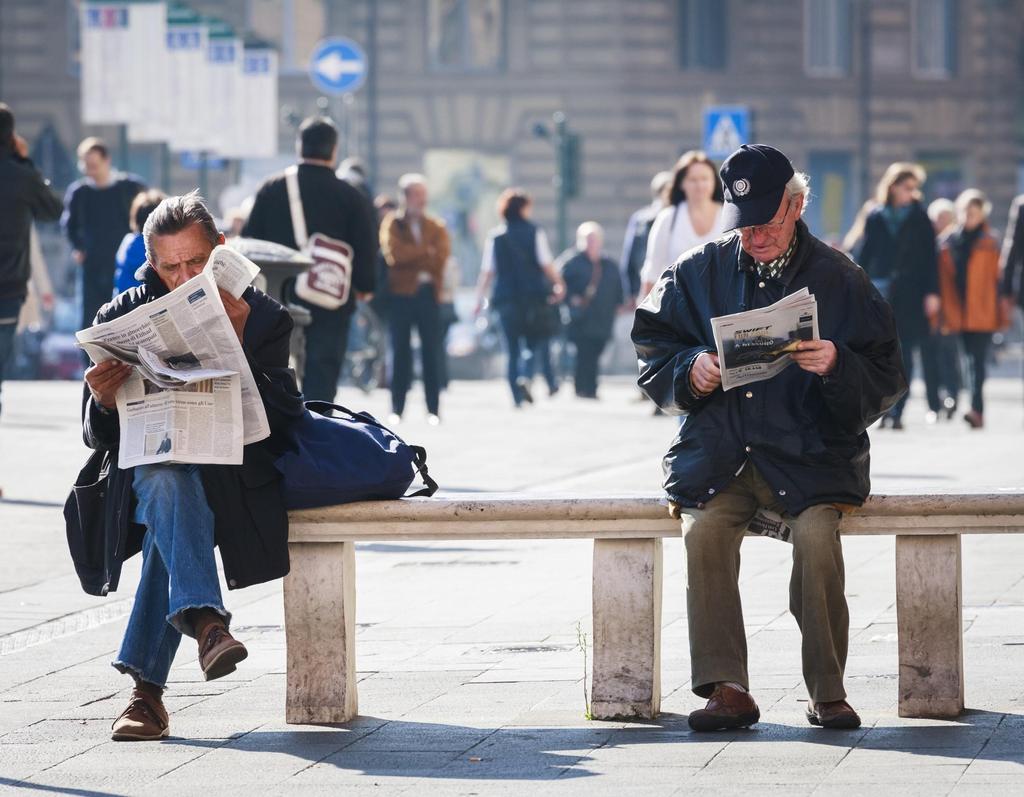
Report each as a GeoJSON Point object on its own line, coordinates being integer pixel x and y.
{"type": "Point", "coordinates": [221, 239]}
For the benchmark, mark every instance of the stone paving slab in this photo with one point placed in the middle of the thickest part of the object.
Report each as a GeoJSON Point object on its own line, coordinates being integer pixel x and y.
{"type": "Point", "coordinates": [470, 680]}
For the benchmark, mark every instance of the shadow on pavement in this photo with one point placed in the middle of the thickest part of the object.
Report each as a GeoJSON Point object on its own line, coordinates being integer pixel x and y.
{"type": "Point", "coordinates": [372, 746]}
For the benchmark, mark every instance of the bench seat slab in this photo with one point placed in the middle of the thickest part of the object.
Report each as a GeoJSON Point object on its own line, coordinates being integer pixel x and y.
{"type": "Point", "coordinates": [320, 625]}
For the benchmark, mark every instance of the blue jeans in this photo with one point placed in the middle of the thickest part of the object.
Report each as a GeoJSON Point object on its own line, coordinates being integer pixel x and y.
{"type": "Point", "coordinates": [524, 353]}
{"type": "Point", "coordinates": [179, 571]}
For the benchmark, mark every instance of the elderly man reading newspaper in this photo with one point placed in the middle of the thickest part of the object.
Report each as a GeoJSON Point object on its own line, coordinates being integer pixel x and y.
{"type": "Point", "coordinates": [794, 443]}
{"type": "Point", "coordinates": [173, 509]}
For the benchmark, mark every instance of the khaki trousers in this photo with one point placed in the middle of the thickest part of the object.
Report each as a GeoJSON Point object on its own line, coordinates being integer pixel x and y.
{"type": "Point", "coordinates": [718, 643]}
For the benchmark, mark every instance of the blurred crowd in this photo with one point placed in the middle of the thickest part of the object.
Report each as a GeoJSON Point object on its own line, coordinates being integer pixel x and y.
{"type": "Point", "coordinates": [951, 281]}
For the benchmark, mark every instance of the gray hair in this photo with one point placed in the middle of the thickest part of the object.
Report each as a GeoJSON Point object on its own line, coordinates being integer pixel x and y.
{"type": "Point", "coordinates": [407, 181]}
{"type": "Point", "coordinates": [177, 213]}
{"type": "Point", "coordinates": [940, 206]}
{"type": "Point", "coordinates": [585, 230]}
{"type": "Point", "coordinates": [800, 184]}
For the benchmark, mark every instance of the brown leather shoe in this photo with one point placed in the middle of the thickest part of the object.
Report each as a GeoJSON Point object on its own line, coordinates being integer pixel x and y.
{"type": "Point", "coordinates": [145, 720]}
{"type": "Point", "coordinates": [727, 708]}
{"type": "Point", "coordinates": [219, 652]}
{"type": "Point", "coordinates": [836, 714]}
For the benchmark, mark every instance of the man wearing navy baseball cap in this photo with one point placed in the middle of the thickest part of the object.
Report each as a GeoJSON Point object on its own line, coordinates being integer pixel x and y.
{"type": "Point", "coordinates": [795, 444]}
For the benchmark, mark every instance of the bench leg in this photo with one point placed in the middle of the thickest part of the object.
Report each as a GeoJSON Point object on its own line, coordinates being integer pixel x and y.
{"type": "Point", "coordinates": [320, 624]}
{"type": "Point", "coordinates": [627, 629]}
{"type": "Point", "coordinates": [929, 613]}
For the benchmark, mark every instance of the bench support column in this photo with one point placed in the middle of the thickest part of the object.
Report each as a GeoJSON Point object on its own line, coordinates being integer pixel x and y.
{"type": "Point", "coordinates": [627, 629]}
{"type": "Point", "coordinates": [320, 625]}
{"type": "Point", "coordinates": [929, 612]}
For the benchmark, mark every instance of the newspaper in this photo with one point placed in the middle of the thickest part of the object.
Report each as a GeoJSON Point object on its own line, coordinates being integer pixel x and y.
{"type": "Point", "coordinates": [756, 345]}
{"type": "Point", "coordinates": [191, 396]}
{"type": "Point", "coordinates": [231, 270]}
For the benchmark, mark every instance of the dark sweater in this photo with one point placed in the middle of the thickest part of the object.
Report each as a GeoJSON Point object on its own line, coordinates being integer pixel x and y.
{"type": "Point", "coordinates": [96, 221]}
{"type": "Point", "coordinates": [332, 207]}
{"type": "Point", "coordinates": [24, 196]}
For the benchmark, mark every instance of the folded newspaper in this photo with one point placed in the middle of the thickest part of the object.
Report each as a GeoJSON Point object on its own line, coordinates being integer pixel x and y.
{"type": "Point", "coordinates": [191, 396]}
{"type": "Point", "coordinates": [757, 344]}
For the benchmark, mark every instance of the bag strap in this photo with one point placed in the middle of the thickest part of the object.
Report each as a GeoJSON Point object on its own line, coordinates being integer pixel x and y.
{"type": "Point", "coordinates": [418, 452]}
{"type": "Point", "coordinates": [420, 463]}
{"type": "Point", "coordinates": [291, 181]}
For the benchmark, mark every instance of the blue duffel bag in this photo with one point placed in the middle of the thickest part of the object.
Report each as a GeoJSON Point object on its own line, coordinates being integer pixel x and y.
{"type": "Point", "coordinates": [338, 456]}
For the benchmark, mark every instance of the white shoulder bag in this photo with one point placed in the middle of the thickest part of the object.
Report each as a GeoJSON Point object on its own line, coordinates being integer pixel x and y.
{"type": "Point", "coordinates": [328, 281]}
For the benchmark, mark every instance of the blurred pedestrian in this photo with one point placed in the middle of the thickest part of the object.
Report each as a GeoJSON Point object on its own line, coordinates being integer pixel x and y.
{"type": "Point", "coordinates": [24, 196]}
{"type": "Point", "coordinates": [518, 271]}
{"type": "Point", "coordinates": [969, 281]}
{"type": "Point", "coordinates": [448, 316]}
{"type": "Point", "coordinates": [97, 211]}
{"type": "Point", "coordinates": [945, 346]}
{"type": "Point", "coordinates": [638, 233]}
{"type": "Point", "coordinates": [900, 255]}
{"type": "Point", "coordinates": [331, 207]}
{"type": "Point", "coordinates": [353, 172]}
{"type": "Point", "coordinates": [1012, 259]}
{"type": "Point", "coordinates": [593, 291]}
{"type": "Point", "coordinates": [416, 246]}
{"type": "Point", "coordinates": [692, 216]}
{"type": "Point", "coordinates": [131, 254]}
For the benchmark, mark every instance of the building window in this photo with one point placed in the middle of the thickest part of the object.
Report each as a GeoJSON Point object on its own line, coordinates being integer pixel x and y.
{"type": "Point", "coordinates": [702, 34]}
{"type": "Point", "coordinates": [933, 31]}
{"type": "Point", "coordinates": [292, 26]}
{"type": "Point", "coordinates": [831, 213]}
{"type": "Point", "coordinates": [465, 35]}
{"type": "Point", "coordinates": [827, 29]}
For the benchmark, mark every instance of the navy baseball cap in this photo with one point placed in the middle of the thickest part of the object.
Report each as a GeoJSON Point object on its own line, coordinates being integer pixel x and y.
{"type": "Point", "coordinates": [755, 178]}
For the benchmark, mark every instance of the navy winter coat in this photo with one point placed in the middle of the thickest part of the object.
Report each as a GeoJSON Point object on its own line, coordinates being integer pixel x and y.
{"type": "Point", "coordinates": [250, 520]}
{"type": "Point", "coordinates": [804, 433]}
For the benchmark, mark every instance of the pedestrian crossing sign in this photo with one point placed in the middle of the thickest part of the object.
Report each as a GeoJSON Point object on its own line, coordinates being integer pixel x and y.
{"type": "Point", "coordinates": [726, 128]}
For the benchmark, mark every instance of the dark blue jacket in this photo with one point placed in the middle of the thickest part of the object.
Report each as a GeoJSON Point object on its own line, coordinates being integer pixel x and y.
{"type": "Point", "coordinates": [518, 277]}
{"type": "Point", "coordinates": [804, 433]}
{"type": "Point", "coordinates": [250, 520]}
{"type": "Point", "coordinates": [593, 298]}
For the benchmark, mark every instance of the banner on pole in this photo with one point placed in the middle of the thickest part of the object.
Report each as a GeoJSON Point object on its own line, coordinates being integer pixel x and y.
{"type": "Point", "coordinates": [187, 82]}
{"type": "Point", "coordinates": [149, 74]}
{"type": "Point", "coordinates": [256, 122]}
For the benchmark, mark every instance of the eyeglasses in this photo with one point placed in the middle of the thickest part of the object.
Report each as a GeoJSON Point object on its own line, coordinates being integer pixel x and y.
{"type": "Point", "coordinates": [772, 227]}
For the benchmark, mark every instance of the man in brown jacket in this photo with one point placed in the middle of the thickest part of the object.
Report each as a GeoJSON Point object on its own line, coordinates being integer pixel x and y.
{"type": "Point", "coordinates": [415, 246]}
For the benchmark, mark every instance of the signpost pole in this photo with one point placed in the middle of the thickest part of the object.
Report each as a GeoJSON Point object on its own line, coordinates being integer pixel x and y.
{"type": "Point", "coordinates": [561, 196]}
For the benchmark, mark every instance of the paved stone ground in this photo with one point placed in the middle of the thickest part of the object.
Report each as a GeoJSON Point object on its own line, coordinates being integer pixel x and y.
{"type": "Point", "coordinates": [470, 675]}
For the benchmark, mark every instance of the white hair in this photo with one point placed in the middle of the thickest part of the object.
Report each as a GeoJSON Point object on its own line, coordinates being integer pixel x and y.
{"type": "Point", "coordinates": [800, 184]}
{"type": "Point", "coordinates": [406, 181]}
{"type": "Point", "coordinates": [972, 196]}
{"type": "Point", "coordinates": [586, 229]}
{"type": "Point", "coordinates": [940, 206]}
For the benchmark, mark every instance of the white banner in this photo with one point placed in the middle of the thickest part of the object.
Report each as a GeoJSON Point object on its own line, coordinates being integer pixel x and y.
{"type": "Point", "coordinates": [106, 54]}
{"type": "Point", "coordinates": [256, 123]}
{"type": "Point", "coordinates": [224, 74]}
{"type": "Point", "coordinates": [187, 99]}
{"type": "Point", "coordinates": [148, 76]}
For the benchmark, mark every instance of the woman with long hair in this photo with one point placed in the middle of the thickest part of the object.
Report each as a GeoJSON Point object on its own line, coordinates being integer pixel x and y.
{"type": "Point", "coordinates": [691, 217]}
{"type": "Point", "coordinates": [898, 251]}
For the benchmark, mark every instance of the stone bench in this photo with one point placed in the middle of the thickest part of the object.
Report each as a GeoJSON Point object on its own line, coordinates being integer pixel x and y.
{"type": "Point", "coordinates": [320, 591]}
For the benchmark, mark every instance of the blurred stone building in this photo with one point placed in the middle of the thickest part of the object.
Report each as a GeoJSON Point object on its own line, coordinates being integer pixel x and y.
{"type": "Point", "coordinates": [458, 87]}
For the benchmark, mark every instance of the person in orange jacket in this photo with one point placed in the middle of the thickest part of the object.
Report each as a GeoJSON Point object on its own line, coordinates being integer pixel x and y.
{"type": "Point", "coordinates": [969, 287]}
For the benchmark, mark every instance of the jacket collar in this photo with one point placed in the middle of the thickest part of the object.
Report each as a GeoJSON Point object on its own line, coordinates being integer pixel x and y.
{"type": "Point", "coordinates": [745, 262]}
{"type": "Point", "coordinates": [154, 285]}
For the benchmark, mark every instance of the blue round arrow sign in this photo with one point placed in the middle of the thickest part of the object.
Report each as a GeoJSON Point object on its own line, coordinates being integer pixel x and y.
{"type": "Point", "coordinates": [338, 66]}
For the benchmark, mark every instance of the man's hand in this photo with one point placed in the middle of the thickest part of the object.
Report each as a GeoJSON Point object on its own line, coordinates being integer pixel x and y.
{"type": "Point", "coordinates": [705, 375]}
{"type": "Point", "coordinates": [238, 312]}
{"type": "Point", "coordinates": [817, 356]}
{"type": "Point", "coordinates": [105, 379]}
{"type": "Point", "coordinates": [932, 305]}
{"type": "Point", "coordinates": [78, 256]}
